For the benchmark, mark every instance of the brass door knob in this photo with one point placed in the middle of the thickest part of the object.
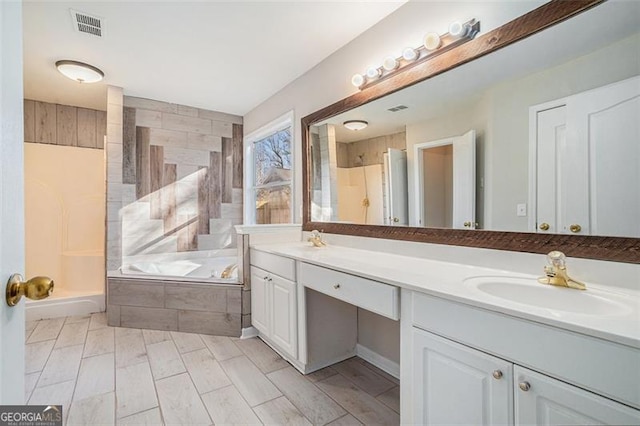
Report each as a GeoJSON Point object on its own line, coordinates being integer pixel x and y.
{"type": "Point", "coordinates": [35, 289]}
{"type": "Point", "coordinates": [467, 224]}
{"type": "Point", "coordinates": [575, 228]}
{"type": "Point", "coordinates": [544, 226]}
{"type": "Point", "coordinates": [497, 374]}
{"type": "Point", "coordinates": [396, 220]}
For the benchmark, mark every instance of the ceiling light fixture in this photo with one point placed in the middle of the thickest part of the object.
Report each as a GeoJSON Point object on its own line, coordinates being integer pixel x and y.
{"type": "Point", "coordinates": [79, 71]}
{"type": "Point", "coordinates": [355, 124]}
{"type": "Point", "coordinates": [433, 44]}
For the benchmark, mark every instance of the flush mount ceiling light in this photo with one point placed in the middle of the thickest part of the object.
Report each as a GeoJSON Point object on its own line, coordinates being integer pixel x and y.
{"type": "Point", "coordinates": [79, 71]}
{"type": "Point", "coordinates": [355, 124]}
{"type": "Point", "coordinates": [432, 44]}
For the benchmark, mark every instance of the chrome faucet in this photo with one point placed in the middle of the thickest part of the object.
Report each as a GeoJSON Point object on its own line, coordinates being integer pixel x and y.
{"type": "Point", "coordinates": [556, 272]}
{"type": "Point", "coordinates": [316, 239]}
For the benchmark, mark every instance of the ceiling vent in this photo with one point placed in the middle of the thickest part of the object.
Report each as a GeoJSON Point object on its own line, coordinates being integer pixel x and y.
{"type": "Point", "coordinates": [398, 108]}
{"type": "Point", "coordinates": [88, 24]}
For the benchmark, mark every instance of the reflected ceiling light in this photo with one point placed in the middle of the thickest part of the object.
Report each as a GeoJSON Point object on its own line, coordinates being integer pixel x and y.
{"type": "Point", "coordinates": [373, 73]}
{"type": "Point", "coordinates": [79, 71]}
{"type": "Point", "coordinates": [410, 54]}
{"type": "Point", "coordinates": [432, 41]}
{"type": "Point", "coordinates": [390, 63]}
{"type": "Point", "coordinates": [357, 80]}
{"type": "Point", "coordinates": [355, 124]}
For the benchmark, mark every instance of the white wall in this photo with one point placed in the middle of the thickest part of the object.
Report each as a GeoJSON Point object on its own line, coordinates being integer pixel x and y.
{"type": "Point", "coordinates": [329, 81]}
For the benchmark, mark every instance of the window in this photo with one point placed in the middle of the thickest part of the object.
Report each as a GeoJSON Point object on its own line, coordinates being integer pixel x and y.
{"type": "Point", "coordinates": [270, 196]}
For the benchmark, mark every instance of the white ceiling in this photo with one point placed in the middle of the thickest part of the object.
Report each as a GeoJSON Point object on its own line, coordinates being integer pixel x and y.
{"type": "Point", "coordinates": [603, 25]}
{"type": "Point", "coordinates": [225, 56]}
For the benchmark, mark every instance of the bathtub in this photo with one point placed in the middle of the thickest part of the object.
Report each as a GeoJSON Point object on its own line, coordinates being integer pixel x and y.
{"type": "Point", "coordinates": [201, 266]}
{"type": "Point", "coordinates": [78, 291]}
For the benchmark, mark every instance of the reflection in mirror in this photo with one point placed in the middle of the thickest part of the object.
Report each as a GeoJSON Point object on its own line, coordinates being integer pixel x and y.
{"type": "Point", "coordinates": [556, 146]}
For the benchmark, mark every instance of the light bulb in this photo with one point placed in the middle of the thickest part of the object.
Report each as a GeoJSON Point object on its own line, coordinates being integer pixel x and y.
{"type": "Point", "coordinates": [390, 63]}
{"type": "Point", "coordinates": [373, 73]}
{"type": "Point", "coordinates": [457, 29]}
{"type": "Point", "coordinates": [410, 54]}
{"type": "Point", "coordinates": [357, 80]}
{"type": "Point", "coordinates": [432, 41]}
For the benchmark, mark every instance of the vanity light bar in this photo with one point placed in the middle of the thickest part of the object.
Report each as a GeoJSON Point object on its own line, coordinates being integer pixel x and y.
{"type": "Point", "coordinates": [433, 45]}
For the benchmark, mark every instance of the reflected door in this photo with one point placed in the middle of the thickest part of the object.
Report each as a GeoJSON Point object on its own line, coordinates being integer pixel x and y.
{"type": "Point", "coordinates": [588, 163]}
{"type": "Point", "coordinates": [445, 182]}
{"type": "Point", "coordinates": [397, 187]}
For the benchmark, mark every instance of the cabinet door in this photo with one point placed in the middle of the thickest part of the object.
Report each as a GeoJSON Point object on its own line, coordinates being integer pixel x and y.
{"type": "Point", "coordinates": [284, 327]}
{"type": "Point", "coordinates": [454, 384]}
{"type": "Point", "coordinates": [260, 300]}
{"type": "Point", "coordinates": [541, 400]}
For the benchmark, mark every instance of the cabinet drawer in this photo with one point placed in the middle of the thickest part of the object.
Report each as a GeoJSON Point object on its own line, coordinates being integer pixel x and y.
{"type": "Point", "coordinates": [371, 295]}
{"type": "Point", "coordinates": [278, 265]}
{"type": "Point", "coordinates": [601, 366]}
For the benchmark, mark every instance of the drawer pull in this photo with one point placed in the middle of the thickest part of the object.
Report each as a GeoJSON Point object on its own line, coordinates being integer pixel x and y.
{"type": "Point", "coordinates": [336, 286]}
{"type": "Point", "coordinates": [497, 374]}
{"type": "Point", "coordinates": [524, 386]}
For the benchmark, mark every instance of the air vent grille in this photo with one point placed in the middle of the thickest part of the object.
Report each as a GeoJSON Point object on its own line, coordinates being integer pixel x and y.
{"type": "Point", "coordinates": [88, 24]}
{"type": "Point", "coordinates": [398, 108]}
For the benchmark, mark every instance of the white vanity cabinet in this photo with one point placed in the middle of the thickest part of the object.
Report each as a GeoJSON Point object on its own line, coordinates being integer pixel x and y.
{"type": "Point", "coordinates": [274, 300]}
{"type": "Point", "coordinates": [464, 367]}
{"type": "Point", "coordinates": [454, 384]}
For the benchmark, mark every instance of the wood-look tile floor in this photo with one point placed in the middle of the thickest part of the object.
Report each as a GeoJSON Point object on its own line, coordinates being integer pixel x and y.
{"type": "Point", "coordinates": [111, 375]}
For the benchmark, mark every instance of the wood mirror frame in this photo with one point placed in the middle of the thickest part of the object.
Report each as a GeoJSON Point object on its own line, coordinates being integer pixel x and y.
{"type": "Point", "coordinates": [618, 249]}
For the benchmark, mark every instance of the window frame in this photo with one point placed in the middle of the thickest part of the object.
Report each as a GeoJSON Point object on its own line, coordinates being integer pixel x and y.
{"type": "Point", "coordinates": [284, 121]}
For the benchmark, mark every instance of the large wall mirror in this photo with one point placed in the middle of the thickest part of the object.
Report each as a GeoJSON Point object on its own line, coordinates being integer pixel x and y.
{"type": "Point", "coordinates": [529, 147]}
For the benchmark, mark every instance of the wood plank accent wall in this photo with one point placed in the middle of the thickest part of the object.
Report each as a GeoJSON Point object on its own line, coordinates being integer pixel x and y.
{"type": "Point", "coordinates": [64, 125]}
{"type": "Point", "coordinates": [186, 167]}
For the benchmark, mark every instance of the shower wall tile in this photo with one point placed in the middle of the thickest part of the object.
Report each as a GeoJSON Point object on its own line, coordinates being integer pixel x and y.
{"type": "Point", "coordinates": [63, 125]}
{"type": "Point", "coordinates": [66, 125]}
{"type": "Point", "coordinates": [186, 124]}
{"type": "Point", "coordinates": [220, 116]}
{"type": "Point", "coordinates": [147, 118]}
{"type": "Point", "coordinates": [141, 103]}
{"type": "Point", "coordinates": [129, 145]}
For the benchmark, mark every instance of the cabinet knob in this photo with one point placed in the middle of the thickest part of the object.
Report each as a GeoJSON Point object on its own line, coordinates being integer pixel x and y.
{"type": "Point", "coordinates": [544, 226]}
{"type": "Point", "coordinates": [336, 286]}
{"type": "Point", "coordinates": [524, 386]}
{"type": "Point", "coordinates": [575, 228]}
{"type": "Point", "coordinates": [266, 277]}
{"type": "Point", "coordinates": [497, 374]}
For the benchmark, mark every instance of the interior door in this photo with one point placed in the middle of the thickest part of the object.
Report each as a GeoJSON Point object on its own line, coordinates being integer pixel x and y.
{"type": "Point", "coordinates": [12, 319]}
{"type": "Point", "coordinates": [398, 188]}
{"type": "Point", "coordinates": [604, 133]}
{"type": "Point", "coordinates": [464, 181]}
{"type": "Point", "coordinates": [550, 153]}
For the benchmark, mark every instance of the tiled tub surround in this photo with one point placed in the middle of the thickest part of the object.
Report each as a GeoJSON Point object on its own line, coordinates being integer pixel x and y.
{"type": "Point", "coordinates": [175, 178]}
{"type": "Point", "coordinates": [214, 309]}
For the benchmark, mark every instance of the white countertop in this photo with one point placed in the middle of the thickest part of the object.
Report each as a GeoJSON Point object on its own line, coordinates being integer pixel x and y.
{"type": "Point", "coordinates": [446, 280]}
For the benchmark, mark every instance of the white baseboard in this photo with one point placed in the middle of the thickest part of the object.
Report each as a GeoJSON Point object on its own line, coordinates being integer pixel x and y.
{"type": "Point", "coordinates": [384, 364]}
{"type": "Point", "coordinates": [249, 332]}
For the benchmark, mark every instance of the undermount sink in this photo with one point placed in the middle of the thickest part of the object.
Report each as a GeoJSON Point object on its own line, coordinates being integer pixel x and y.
{"type": "Point", "coordinates": [528, 291]}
